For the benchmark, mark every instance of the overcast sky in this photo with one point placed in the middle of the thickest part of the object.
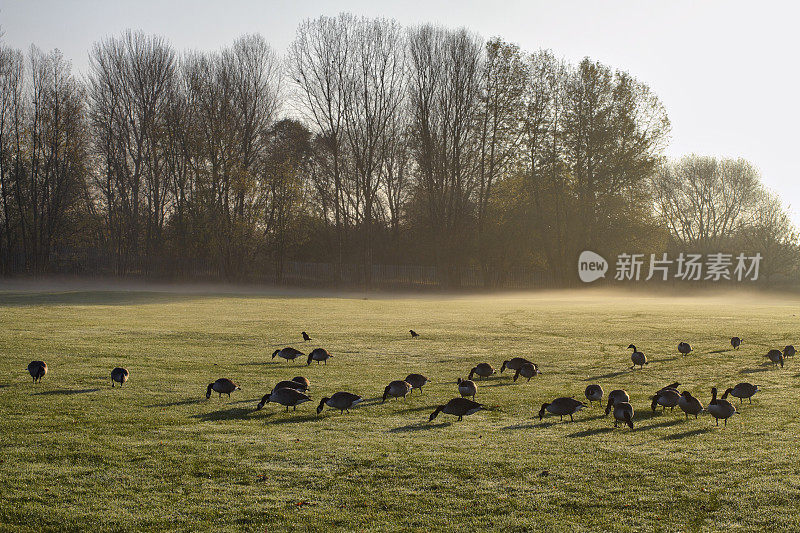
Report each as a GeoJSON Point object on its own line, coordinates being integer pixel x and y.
{"type": "Point", "coordinates": [727, 72]}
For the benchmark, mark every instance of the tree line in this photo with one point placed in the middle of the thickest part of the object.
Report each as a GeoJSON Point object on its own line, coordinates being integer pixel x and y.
{"type": "Point", "coordinates": [366, 143]}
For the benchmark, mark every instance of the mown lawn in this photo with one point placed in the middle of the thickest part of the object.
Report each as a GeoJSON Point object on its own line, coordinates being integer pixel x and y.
{"type": "Point", "coordinates": [77, 455]}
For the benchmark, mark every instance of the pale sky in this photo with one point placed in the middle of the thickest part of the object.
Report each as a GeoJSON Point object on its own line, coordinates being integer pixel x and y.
{"type": "Point", "coordinates": [726, 70]}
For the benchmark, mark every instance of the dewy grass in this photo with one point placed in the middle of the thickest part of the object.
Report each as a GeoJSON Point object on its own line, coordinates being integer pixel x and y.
{"type": "Point", "coordinates": [78, 455]}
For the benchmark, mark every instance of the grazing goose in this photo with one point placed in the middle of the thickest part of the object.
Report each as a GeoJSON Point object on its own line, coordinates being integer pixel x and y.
{"type": "Point", "coordinates": [690, 405]}
{"type": "Point", "coordinates": [684, 348]}
{"type": "Point", "coordinates": [304, 381]}
{"type": "Point", "coordinates": [482, 370]}
{"type": "Point", "coordinates": [318, 355]}
{"type": "Point", "coordinates": [288, 353]}
{"type": "Point", "coordinates": [414, 334]}
{"type": "Point", "coordinates": [623, 412]}
{"type": "Point", "coordinates": [222, 386]}
{"type": "Point", "coordinates": [561, 407]}
{"type": "Point", "coordinates": [396, 389]}
{"type": "Point", "coordinates": [741, 391]}
{"type": "Point", "coordinates": [736, 342]}
{"type": "Point", "coordinates": [467, 387]}
{"type": "Point", "coordinates": [637, 357]}
{"type": "Point", "coordinates": [666, 397]}
{"type": "Point", "coordinates": [515, 364]}
{"type": "Point", "coordinates": [720, 408]}
{"type": "Point", "coordinates": [616, 397]}
{"type": "Point", "coordinates": [306, 338]}
{"type": "Point", "coordinates": [37, 370]}
{"type": "Point", "coordinates": [789, 351]}
{"type": "Point", "coordinates": [527, 370]}
{"type": "Point", "coordinates": [342, 401]}
{"type": "Point", "coordinates": [120, 375]}
{"type": "Point", "coordinates": [417, 381]}
{"type": "Point", "coordinates": [290, 384]}
{"type": "Point", "coordinates": [285, 396]}
{"type": "Point", "coordinates": [459, 407]}
{"type": "Point", "coordinates": [594, 393]}
{"type": "Point", "coordinates": [776, 357]}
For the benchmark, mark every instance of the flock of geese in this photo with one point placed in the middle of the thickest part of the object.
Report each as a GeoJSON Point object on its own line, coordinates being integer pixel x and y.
{"type": "Point", "coordinates": [291, 393]}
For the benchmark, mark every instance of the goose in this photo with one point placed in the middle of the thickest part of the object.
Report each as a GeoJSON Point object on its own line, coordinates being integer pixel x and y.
{"type": "Point", "coordinates": [515, 364]}
{"type": "Point", "coordinates": [396, 389]}
{"type": "Point", "coordinates": [222, 386]}
{"type": "Point", "coordinates": [318, 355]}
{"type": "Point", "coordinates": [741, 391]}
{"type": "Point", "coordinates": [303, 381]}
{"type": "Point", "coordinates": [623, 412]}
{"type": "Point", "coordinates": [776, 357]}
{"type": "Point", "coordinates": [290, 384]}
{"type": "Point", "coordinates": [637, 357]}
{"type": "Point", "coordinates": [561, 407]}
{"type": "Point", "coordinates": [482, 370]}
{"type": "Point", "coordinates": [673, 386]}
{"type": "Point", "coordinates": [306, 338]}
{"type": "Point", "coordinates": [736, 342]}
{"type": "Point", "coordinates": [527, 370]}
{"type": "Point", "coordinates": [459, 407]}
{"type": "Point", "coordinates": [342, 401]}
{"type": "Point", "coordinates": [288, 353]}
{"type": "Point", "coordinates": [37, 370]}
{"type": "Point", "coordinates": [284, 396]}
{"type": "Point", "coordinates": [120, 375]}
{"type": "Point", "coordinates": [593, 393]}
{"type": "Point", "coordinates": [720, 408]}
{"type": "Point", "coordinates": [615, 397]}
{"type": "Point", "coordinates": [789, 351]}
{"type": "Point", "coordinates": [666, 397]}
{"type": "Point", "coordinates": [690, 405]}
{"type": "Point", "coordinates": [417, 381]}
{"type": "Point", "coordinates": [467, 387]}
{"type": "Point", "coordinates": [684, 348]}
{"type": "Point", "coordinates": [414, 334]}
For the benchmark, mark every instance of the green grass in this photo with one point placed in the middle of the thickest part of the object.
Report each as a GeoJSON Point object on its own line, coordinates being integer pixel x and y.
{"type": "Point", "coordinates": [77, 455]}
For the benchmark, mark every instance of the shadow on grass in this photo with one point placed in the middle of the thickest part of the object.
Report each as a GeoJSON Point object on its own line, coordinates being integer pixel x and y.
{"type": "Point", "coordinates": [540, 425]}
{"type": "Point", "coordinates": [609, 375]}
{"type": "Point", "coordinates": [187, 401]}
{"type": "Point", "coordinates": [755, 370]}
{"type": "Point", "coordinates": [592, 432]}
{"type": "Point", "coordinates": [721, 351]}
{"type": "Point", "coordinates": [664, 360]}
{"type": "Point", "coordinates": [235, 413]}
{"type": "Point", "coordinates": [259, 363]}
{"type": "Point", "coordinates": [292, 417]}
{"type": "Point", "coordinates": [684, 434]}
{"type": "Point", "coordinates": [418, 409]}
{"type": "Point", "coordinates": [419, 426]}
{"type": "Point", "coordinates": [664, 424]}
{"type": "Point", "coordinates": [64, 392]}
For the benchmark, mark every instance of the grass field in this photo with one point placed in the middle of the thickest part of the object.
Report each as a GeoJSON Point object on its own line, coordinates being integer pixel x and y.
{"type": "Point", "coordinates": [78, 455]}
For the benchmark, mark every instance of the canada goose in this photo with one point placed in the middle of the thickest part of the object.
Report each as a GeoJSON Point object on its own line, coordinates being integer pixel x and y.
{"type": "Point", "coordinates": [637, 357]}
{"type": "Point", "coordinates": [615, 397]}
{"type": "Point", "coordinates": [396, 389]}
{"type": "Point", "coordinates": [515, 363]}
{"type": "Point", "coordinates": [736, 342]}
{"type": "Point", "coordinates": [284, 396]}
{"type": "Point", "coordinates": [288, 353]}
{"type": "Point", "coordinates": [720, 408]}
{"type": "Point", "coordinates": [120, 375]}
{"type": "Point", "coordinates": [666, 397]}
{"type": "Point", "coordinates": [318, 354]}
{"type": "Point", "coordinates": [342, 401]}
{"type": "Point", "coordinates": [623, 412]}
{"type": "Point", "coordinates": [527, 370]}
{"type": "Point", "coordinates": [789, 351]}
{"type": "Point", "coordinates": [594, 393]}
{"type": "Point", "coordinates": [37, 370]}
{"type": "Point", "coordinates": [222, 386]}
{"type": "Point", "coordinates": [417, 381]}
{"type": "Point", "coordinates": [482, 370]}
{"type": "Point", "coordinates": [561, 407]}
{"type": "Point", "coordinates": [467, 387]}
{"type": "Point", "coordinates": [775, 356]}
{"type": "Point", "coordinates": [459, 407]}
{"type": "Point", "coordinates": [671, 386]}
{"type": "Point", "coordinates": [290, 384]}
{"type": "Point", "coordinates": [684, 348]}
{"type": "Point", "coordinates": [741, 391]}
{"type": "Point", "coordinates": [414, 334]}
{"type": "Point", "coordinates": [306, 338]}
{"type": "Point", "coordinates": [303, 381]}
{"type": "Point", "coordinates": [690, 405]}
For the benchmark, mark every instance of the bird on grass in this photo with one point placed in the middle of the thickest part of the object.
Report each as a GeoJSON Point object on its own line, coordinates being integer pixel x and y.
{"type": "Point", "coordinates": [37, 370]}
{"type": "Point", "coordinates": [286, 397]}
{"type": "Point", "coordinates": [222, 386]}
{"type": "Point", "coordinates": [637, 357]}
{"type": "Point", "coordinates": [306, 338]}
{"type": "Point", "coordinates": [789, 351]}
{"type": "Point", "coordinates": [396, 389]}
{"type": "Point", "coordinates": [288, 353]}
{"type": "Point", "coordinates": [690, 405]}
{"type": "Point", "coordinates": [593, 393]}
{"type": "Point", "coordinates": [417, 381]}
{"type": "Point", "coordinates": [459, 407]}
{"type": "Point", "coordinates": [742, 390]}
{"type": "Point", "coordinates": [666, 397]}
{"type": "Point", "coordinates": [562, 407]}
{"type": "Point", "coordinates": [736, 342]}
{"type": "Point", "coordinates": [616, 397]}
{"type": "Point", "coordinates": [623, 412]}
{"type": "Point", "coordinates": [290, 384]}
{"type": "Point", "coordinates": [515, 364]}
{"type": "Point", "coordinates": [414, 334]}
{"type": "Point", "coordinates": [528, 370]}
{"type": "Point", "coordinates": [482, 370]}
{"type": "Point", "coordinates": [467, 387]}
{"type": "Point", "coordinates": [684, 348]}
{"type": "Point", "coordinates": [119, 375]}
{"type": "Point", "coordinates": [342, 401]}
{"type": "Point", "coordinates": [720, 408]}
{"type": "Point", "coordinates": [320, 355]}
{"type": "Point", "coordinates": [776, 356]}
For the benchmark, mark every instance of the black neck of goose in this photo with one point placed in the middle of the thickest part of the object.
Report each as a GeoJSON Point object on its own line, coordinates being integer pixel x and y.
{"type": "Point", "coordinates": [541, 411]}
{"type": "Point", "coordinates": [208, 390]}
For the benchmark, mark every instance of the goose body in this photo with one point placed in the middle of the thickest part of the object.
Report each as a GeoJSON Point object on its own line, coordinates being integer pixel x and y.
{"type": "Point", "coordinates": [222, 386]}
{"type": "Point", "coordinates": [515, 364]}
{"type": "Point", "coordinates": [284, 396]}
{"type": "Point", "coordinates": [720, 408]}
{"type": "Point", "coordinates": [290, 384]}
{"type": "Point", "coordinates": [528, 370]}
{"type": "Point", "coordinates": [37, 370]}
{"type": "Point", "coordinates": [303, 381]}
{"type": "Point", "coordinates": [736, 342]}
{"type": "Point", "coordinates": [562, 407]}
{"type": "Point", "coordinates": [417, 381]}
{"type": "Point", "coordinates": [482, 370]}
{"type": "Point", "coordinates": [342, 401]}
{"type": "Point", "coordinates": [288, 353]}
{"type": "Point", "coordinates": [742, 391]}
{"type": "Point", "coordinates": [459, 407]}
{"type": "Point", "coordinates": [396, 389]}
{"type": "Point", "coordinates": [637, 357]}
{"type": "Point", "coordinates": [319, 355]}
{"type": "Point", "coordinates": [623, 412]}
{"type": "Point", "coordinates": [616, 397]}
{"type": "Point", "coordinates": [666, 397]}
{"type": "Point", "coordinates": [689, 404]}
{"type": "Point", "coordinates": [467, 387]}
{"type": "Point", "coordinates": [684, 348]}
{"type": "Point", "coordinates": [789, 351]}
{"type": "Point", "coordinates": [776, 356]}
{"type": "Point", "coordinates": [119, 375]}
{"type": "Point", "coordinates": [414, 334]}
{"type": "Point", "coordinates": [594, 393]}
